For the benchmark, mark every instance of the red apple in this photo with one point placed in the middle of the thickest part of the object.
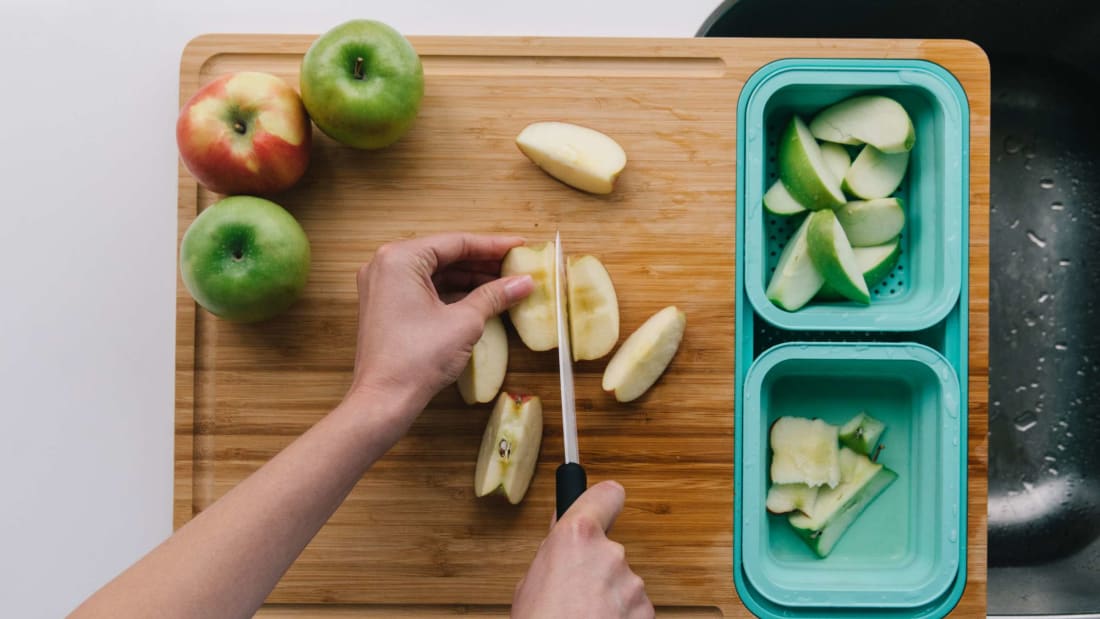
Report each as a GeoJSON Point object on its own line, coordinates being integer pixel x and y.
{"type": "Point", "coordinates": [245, 133]}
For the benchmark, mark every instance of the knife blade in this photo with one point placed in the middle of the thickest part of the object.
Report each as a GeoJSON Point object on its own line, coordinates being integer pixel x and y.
{"type": "Point", "coordinates": [571, 478]}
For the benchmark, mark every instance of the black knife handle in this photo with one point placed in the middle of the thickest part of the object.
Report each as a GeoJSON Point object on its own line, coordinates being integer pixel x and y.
{"type": "Point", "coordinates": [572, 482]}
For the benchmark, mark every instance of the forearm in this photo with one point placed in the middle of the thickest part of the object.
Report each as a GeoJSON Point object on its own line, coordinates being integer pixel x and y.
{"type": "Point", "coordinates": [226, 561]}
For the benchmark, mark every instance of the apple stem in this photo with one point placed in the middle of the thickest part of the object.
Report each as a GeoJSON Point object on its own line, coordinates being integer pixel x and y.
{"type": "Point", "coordinates": [358, 70]}
{"type": "Point", "coordinates": [239, 127]}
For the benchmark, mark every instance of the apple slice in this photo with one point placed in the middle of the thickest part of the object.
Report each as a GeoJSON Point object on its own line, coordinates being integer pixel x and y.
{"type": "Point", "coordinates": [803, 170]}
{"type": "Point", "coordinates": [593, 308]}
{"type": "Point", "coordinates": [875, 174]}
{"type": "Point", "coordinates": [868, 223]}
{"type": "Point", "coordinates": [861, 434]}
{"type": "Point", "coordinates": [804, 451]}
{"type": "Point", "coordinates": [535, 318]}
{"type": "Point", "coordinates": [644, 355]}
{"type": "Point", "coordinates": [796, 280]}
{"type": "Point", "coordinates": [832, 255]}
{"type": "Point", "coordinates": [836, 159]}
{"type": "Point", "coordinates": [484, 373]}
{"type": "Point", "coordinates": [509, 447]}
{"type": "Point", "coordinates": [871, 119]}
{"type": "Point", "coordinates": [778, 201]}
{"type": "Point", "coordinates": [875, 262]}
{"type": "Point", "coordinates": [784, 498]}
{"type": "Point", "coordinates": [575, 155]}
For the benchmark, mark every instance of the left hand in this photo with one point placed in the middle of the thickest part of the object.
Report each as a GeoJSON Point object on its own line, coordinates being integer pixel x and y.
{"type": "Point", "coordinates": [412, 343]}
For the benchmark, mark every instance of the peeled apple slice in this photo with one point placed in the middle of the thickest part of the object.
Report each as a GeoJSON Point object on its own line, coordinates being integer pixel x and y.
{"type": "Point", "coordinates": [578, 156]}
{"type": "Point", "coordinates": [535, 318]}
{"type": "Point", "coordinates": [862, 433]}
{"type": "Point", "coordinates": [870, 119]}
{"type": "Point", "coordinates": [796, 280]}
{"type": "Point", "coordinates": [480, 381]}
{"type": "Point", "coordinates": [871, 222]}
{"type": "Point", "coordinates": [644, 355]}
{"type": "Point", "coordinates": [803, 170]}
{"type": "Point", "coordinates": [593, 308]}
{"type": "Point", "coordinates": [783, 498]}
{"type": "Point", "coordinates": [804, 451]}
{"type": "Point", "coordinates": [836, 509]}
{"type": "Point", "coordinates": [509, 447]}
{"type": "Point", "coordinates": [875, 262]}
{"type": "Point", "coordinates": [875, 174]}
{"type": "Point", "coordinates": [832, 255]}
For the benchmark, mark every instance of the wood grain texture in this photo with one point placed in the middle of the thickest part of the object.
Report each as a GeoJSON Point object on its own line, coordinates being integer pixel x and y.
{"type": "Point", "coordinates": [412, 540]}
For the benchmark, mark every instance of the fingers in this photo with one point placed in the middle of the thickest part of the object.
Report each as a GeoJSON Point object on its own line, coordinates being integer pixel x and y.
{"type": "Point", "coordinates": [492, 298]}
{"type": "Point", "coordinates": [445, 249]}
{"type": "Point", "coordinates": [601, 503]}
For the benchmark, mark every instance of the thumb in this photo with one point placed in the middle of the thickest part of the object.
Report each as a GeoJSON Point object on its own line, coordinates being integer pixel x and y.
{"type": "Point", "coordinates": [601, 502]}
{"type": "Point", "coordinates": [494, 297]}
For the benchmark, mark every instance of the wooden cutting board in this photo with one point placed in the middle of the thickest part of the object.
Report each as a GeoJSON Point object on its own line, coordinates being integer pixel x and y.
{"type": "Point", "coordinates": [412, 540]}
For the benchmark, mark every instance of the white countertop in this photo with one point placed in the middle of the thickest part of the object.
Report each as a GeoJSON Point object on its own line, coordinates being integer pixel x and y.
{"type": "Point", "coordinates": [87, 254]}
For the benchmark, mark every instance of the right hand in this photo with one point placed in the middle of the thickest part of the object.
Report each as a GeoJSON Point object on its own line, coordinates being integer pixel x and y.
{"type": "Point", "coordinates": [578, 571]}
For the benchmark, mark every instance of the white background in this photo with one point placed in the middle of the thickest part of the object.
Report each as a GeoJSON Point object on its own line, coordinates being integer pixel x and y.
{"type": "Point", "coordinates": [88, 103]}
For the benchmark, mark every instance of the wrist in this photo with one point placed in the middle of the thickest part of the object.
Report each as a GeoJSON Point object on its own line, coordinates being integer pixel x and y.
{"type": "Point", "coordinates": [382, 412]}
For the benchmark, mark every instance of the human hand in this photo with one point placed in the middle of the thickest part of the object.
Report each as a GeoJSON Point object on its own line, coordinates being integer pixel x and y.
{"type": "Point", "coordinates": [578, 571]}
{"type": "Point", "coordinates": [417, 324]}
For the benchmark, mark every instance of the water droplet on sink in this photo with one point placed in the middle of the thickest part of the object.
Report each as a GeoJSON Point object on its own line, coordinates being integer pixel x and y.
{"type": "Point", "coordinates": [1053, 471]}
{"type": "Point", "coordinates": [1046, 183]}
{"type": "Point", "coordinates": [1029, 319]}
{"type": "Point", "coordinates": [1034, 385]}
{"type": "Point", "coordinates": [1014, 224]}
{"type": "Point", "coordinates": [1036, 239]}
{"type": "Point", "coordinates": [1060, 447]}
{"type": "Point", "coordinates": [1043, 297]}
{"type": "Point", "coordinates": [1050, 458]}
{"type": "Point", "coordinates": [1064, 262]}
{"type": "Point", "coordinates": [1028, 486]}
{"type": "Point", "coordinates": [1057, 206]}
{"type": "Point", "coordinates": [1023, 388]}
{"type": "Point", "coordinates": [1026, 421]}
{"type": "Point", "coordinates": [1061, 346]}
{"type": "Point", "coordinates": [1013, 145]}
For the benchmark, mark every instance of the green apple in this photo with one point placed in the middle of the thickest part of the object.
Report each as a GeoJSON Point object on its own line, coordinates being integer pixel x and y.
{"type": "Point", "coordinates": [796, 280]}
{"type": "Point", "coordinates": [644, 355]}
{"type": "Point", "coordinates": [876, 262]}
{"type": "Point", "coordinates": [835, 509]}
{"type": "Point", "coordinates": [871, 222]}
{"type": "Point", "coordinates": [361, 83]}
{"type": "Point", "coordinates": [804, 451]}
{"type": "Point", "coordinates": [870, 119]}
{"type": "Point", "coordinates": [875, 174]}
{"type": "Point", "coordinates": [245, 259]}
{"type": "Point", "coordinates": [803, 170]}
{"type": "Point", "coordinates": [832, 255]}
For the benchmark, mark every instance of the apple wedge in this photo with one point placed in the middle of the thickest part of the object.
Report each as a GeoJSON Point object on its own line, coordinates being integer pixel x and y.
{"type": "Point", "coordinates": [875, 174]}
{"type": "Point", "coordinates": [870, 119]}
{"type": "Point", "coordinates": [804, 451]}
{"type": "Point", "coordinates": [509, 447]}
{"type": "Point", "coordinates": [578, 156]}
{"type": "Point", "coordinates": [535, 318]}
{"type": "Point", "coordinates": [832, 255]}
{"type": "Point", "coordinates": [484, 373]}
{"type": "Point", "coordinates": [868, 223]}
{"type": "Point", "coordinates": [836, 159]}
{"type": "Point", "coordinates": [876, 263]}
{"type": "Point", "coordinates": [779, 201]}
{"type": "Point", "coordinates": [803, 170]}
{"type": "Point", "coordinates": [644, 355]}
{"type": "Point", "coordinates": [593, 308]}
{"type": "Point", "coordinates": [796, 279]}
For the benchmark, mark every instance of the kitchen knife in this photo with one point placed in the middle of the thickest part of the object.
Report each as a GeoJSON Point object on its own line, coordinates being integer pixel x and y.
{"type": "Point", "coordinates": [571, 479]}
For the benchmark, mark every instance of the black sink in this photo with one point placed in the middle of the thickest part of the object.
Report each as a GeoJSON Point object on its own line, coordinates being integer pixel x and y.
{"type": "Point", "coordinates": [1044, 441]}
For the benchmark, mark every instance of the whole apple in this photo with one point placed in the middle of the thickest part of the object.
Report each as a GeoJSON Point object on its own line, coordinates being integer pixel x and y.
{"type": "Point", "coordinates": [245, 259]}
{"type": "Point", "coordinates": [362, 83]}
{"type": "Point", "coordinates": [245, 133]}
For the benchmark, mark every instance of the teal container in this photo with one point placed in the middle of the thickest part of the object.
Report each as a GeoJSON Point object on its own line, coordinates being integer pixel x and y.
{"type": "Point", "coordinates": [903, 551]}
{"type": "Point", "coordinates": [925, 285]}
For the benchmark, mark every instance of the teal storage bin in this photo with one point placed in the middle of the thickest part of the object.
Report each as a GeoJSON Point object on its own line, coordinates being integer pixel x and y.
{"type": "Point", "coordinates": [904, 550]}
{"type": "Point", "coordinates": [925, 285]}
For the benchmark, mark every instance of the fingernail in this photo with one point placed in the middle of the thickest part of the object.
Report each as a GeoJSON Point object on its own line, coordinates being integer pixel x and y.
{"type": "Point", "coordinates": [518, 287]}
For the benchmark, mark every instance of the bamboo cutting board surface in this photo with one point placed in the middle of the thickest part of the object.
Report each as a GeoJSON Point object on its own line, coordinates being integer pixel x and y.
{"type": "Point", "coordinates": [412, 540]}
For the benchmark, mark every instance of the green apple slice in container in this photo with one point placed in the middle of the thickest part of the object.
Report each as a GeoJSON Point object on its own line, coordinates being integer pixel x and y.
{"type": "Point", "coordinates": [869, 119]}
{"type": "Point", "coordinates": [803, 170]}
{"type": "Point", "coordinates": [875, 174]}
{"type": "Point", "coordinates": [876, 263]}
{"type": "Point", "coordinates": [868, 223]}
{"type": "Point", "coordinates": [832, 255]}
{"type": "Point", "coordinates": [796, 280]}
